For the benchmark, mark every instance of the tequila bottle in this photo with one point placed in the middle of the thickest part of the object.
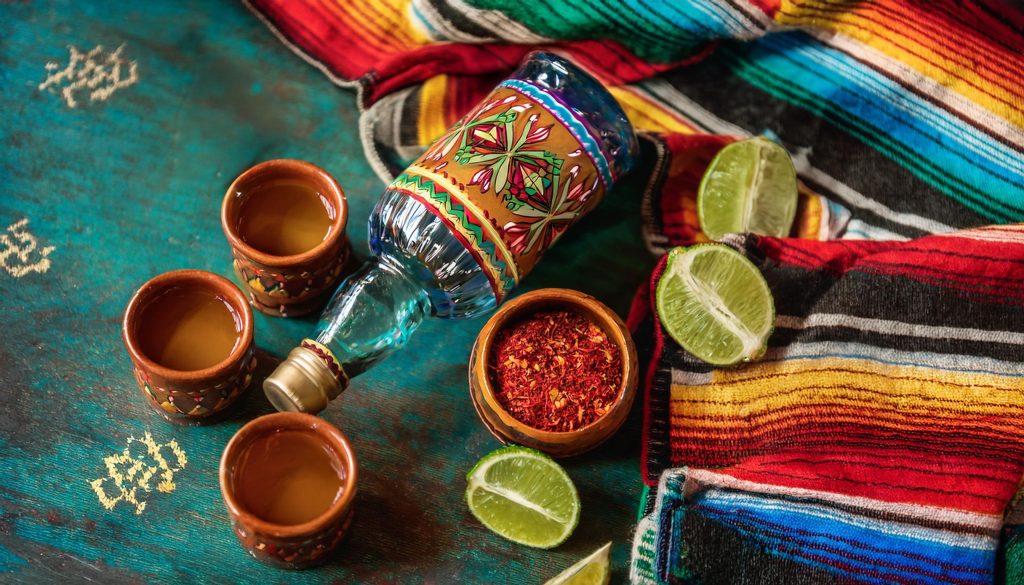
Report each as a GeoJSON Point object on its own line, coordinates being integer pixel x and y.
{"type": "Point", "coordinates": [458, 229]}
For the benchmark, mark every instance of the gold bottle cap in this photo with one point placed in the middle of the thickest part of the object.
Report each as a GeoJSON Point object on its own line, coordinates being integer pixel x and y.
{"type": "Point", "coordinates": [301, 383]}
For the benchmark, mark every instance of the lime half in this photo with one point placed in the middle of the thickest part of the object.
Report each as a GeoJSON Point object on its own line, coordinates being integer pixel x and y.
{"type": "Point", "coordinates": [749, 187]}
{"type": "Point", "coordinates": [715, 303]}
{"type": "Point", "coordinates": [592, 570]}
{"type": "Point", "coordinates": [524, 496]}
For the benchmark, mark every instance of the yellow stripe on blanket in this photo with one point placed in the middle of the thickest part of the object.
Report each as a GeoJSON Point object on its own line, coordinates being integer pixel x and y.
{"type": "Point", "coordinates": [946, 67]}
{"type": "Point", "coordinates": [431, 123]}
{"type": "Point", "coordinates": [777, 386]}
{"type": "Point", "coordinates": [648, 116]}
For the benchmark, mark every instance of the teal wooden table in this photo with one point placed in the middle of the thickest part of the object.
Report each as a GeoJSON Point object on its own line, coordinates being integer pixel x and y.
{"type": "Point", "coordinates": [113, 166]}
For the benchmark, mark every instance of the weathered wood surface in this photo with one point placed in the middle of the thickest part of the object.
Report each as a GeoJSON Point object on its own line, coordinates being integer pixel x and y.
{"type": "Point", "coordinates": [116, 191]}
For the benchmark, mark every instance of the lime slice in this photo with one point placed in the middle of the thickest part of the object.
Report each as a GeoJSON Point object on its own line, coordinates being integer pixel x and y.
{"type": "Point", "coordinates": [523, 495]}
{"type": "Point", "coordinates": [592, 570]}
{"type": "Point", "coordinates": [715, 303]}
{"type": "Point", "coordinates": [749, 187]}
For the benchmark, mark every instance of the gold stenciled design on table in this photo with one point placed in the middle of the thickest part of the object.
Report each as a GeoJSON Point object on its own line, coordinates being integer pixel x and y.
{"type": "Point", "coordinates": [143, 466]}
{"type": "Point", "coordinates": [20, 251]}
{"type": "Point", "coordinates": [97, 72]}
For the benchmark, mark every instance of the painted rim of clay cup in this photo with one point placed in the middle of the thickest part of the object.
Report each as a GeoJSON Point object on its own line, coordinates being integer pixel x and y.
{"type": "Point", "coordinates": [320, 179]}
{"type": "Point", "coordinates": [289, 421]}
{"type": "Point", "coordinates": [189, 278]}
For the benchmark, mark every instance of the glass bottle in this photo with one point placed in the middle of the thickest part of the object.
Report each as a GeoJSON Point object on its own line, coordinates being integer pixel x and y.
{"type": "Point", "coordinates": [463, 224]}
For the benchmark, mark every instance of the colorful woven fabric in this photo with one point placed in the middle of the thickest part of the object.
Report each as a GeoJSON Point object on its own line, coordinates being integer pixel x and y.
{"type": "Point", "coordinates": [879, 440]}
{"type": "Point", "coordinates": [908, 113]}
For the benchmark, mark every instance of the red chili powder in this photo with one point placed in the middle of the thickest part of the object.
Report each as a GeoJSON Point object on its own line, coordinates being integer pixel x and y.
{"type": "Point", "coordinates": [555, 370]}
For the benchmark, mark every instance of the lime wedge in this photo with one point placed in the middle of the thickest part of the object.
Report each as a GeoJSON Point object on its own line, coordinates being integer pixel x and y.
{"type": "Point", "coordinates": [749, 187]}
{"type": "Point", "coordinates": [592, 570]}
{"type": "Point", "coordinates": [524, 496]}
{"type": "Point", "coordinates": [715, 303]}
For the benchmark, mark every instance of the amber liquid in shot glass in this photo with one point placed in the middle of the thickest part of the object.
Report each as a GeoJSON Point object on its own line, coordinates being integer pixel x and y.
{"type": "Point", "coordinates": [288, 477]}
{"type": "Point", "coordinates": [189, 336]}
{"type": "Point", "coordinates": [284, 218]}
{"type": "Point", "coordinates": [188, 330]}
{"type": "Point", "coordinates": [289, 482]}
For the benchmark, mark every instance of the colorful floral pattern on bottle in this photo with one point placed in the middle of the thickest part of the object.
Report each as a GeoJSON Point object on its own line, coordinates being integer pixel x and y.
{"type": "Point", "coordinates": [510, 178]}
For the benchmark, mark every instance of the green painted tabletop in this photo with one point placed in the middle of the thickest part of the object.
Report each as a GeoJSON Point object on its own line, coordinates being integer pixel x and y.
{"type": "Point", "coordinates": [113, 165]}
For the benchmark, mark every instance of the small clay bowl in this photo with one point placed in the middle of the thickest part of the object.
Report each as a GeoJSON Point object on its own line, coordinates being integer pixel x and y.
{"type": "Point", "coordinates": [294, 546]}
{"type": "Point", "coordinates": [503, 425]}
{"type": "Point", "coordinates": [191, 396]}
{"type": "Point", "coordinates": [288, 286]}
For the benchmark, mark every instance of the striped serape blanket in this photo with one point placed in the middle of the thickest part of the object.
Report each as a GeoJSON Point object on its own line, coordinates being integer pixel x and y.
{"type": "Point", "coordinates": [879, 440]}
{"type": "Point", "coordinates": [908, 113]}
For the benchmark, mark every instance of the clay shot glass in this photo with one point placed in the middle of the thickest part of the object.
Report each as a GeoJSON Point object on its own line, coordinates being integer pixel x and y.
{"type": "Point", "coordinates": [293, 545]}
{"type": "Point", "coordinates": [286, 279]}
{"type": "Point", "coordinates": [508, 429]}
{"type": "Point", "coordinates": [190, 337]}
